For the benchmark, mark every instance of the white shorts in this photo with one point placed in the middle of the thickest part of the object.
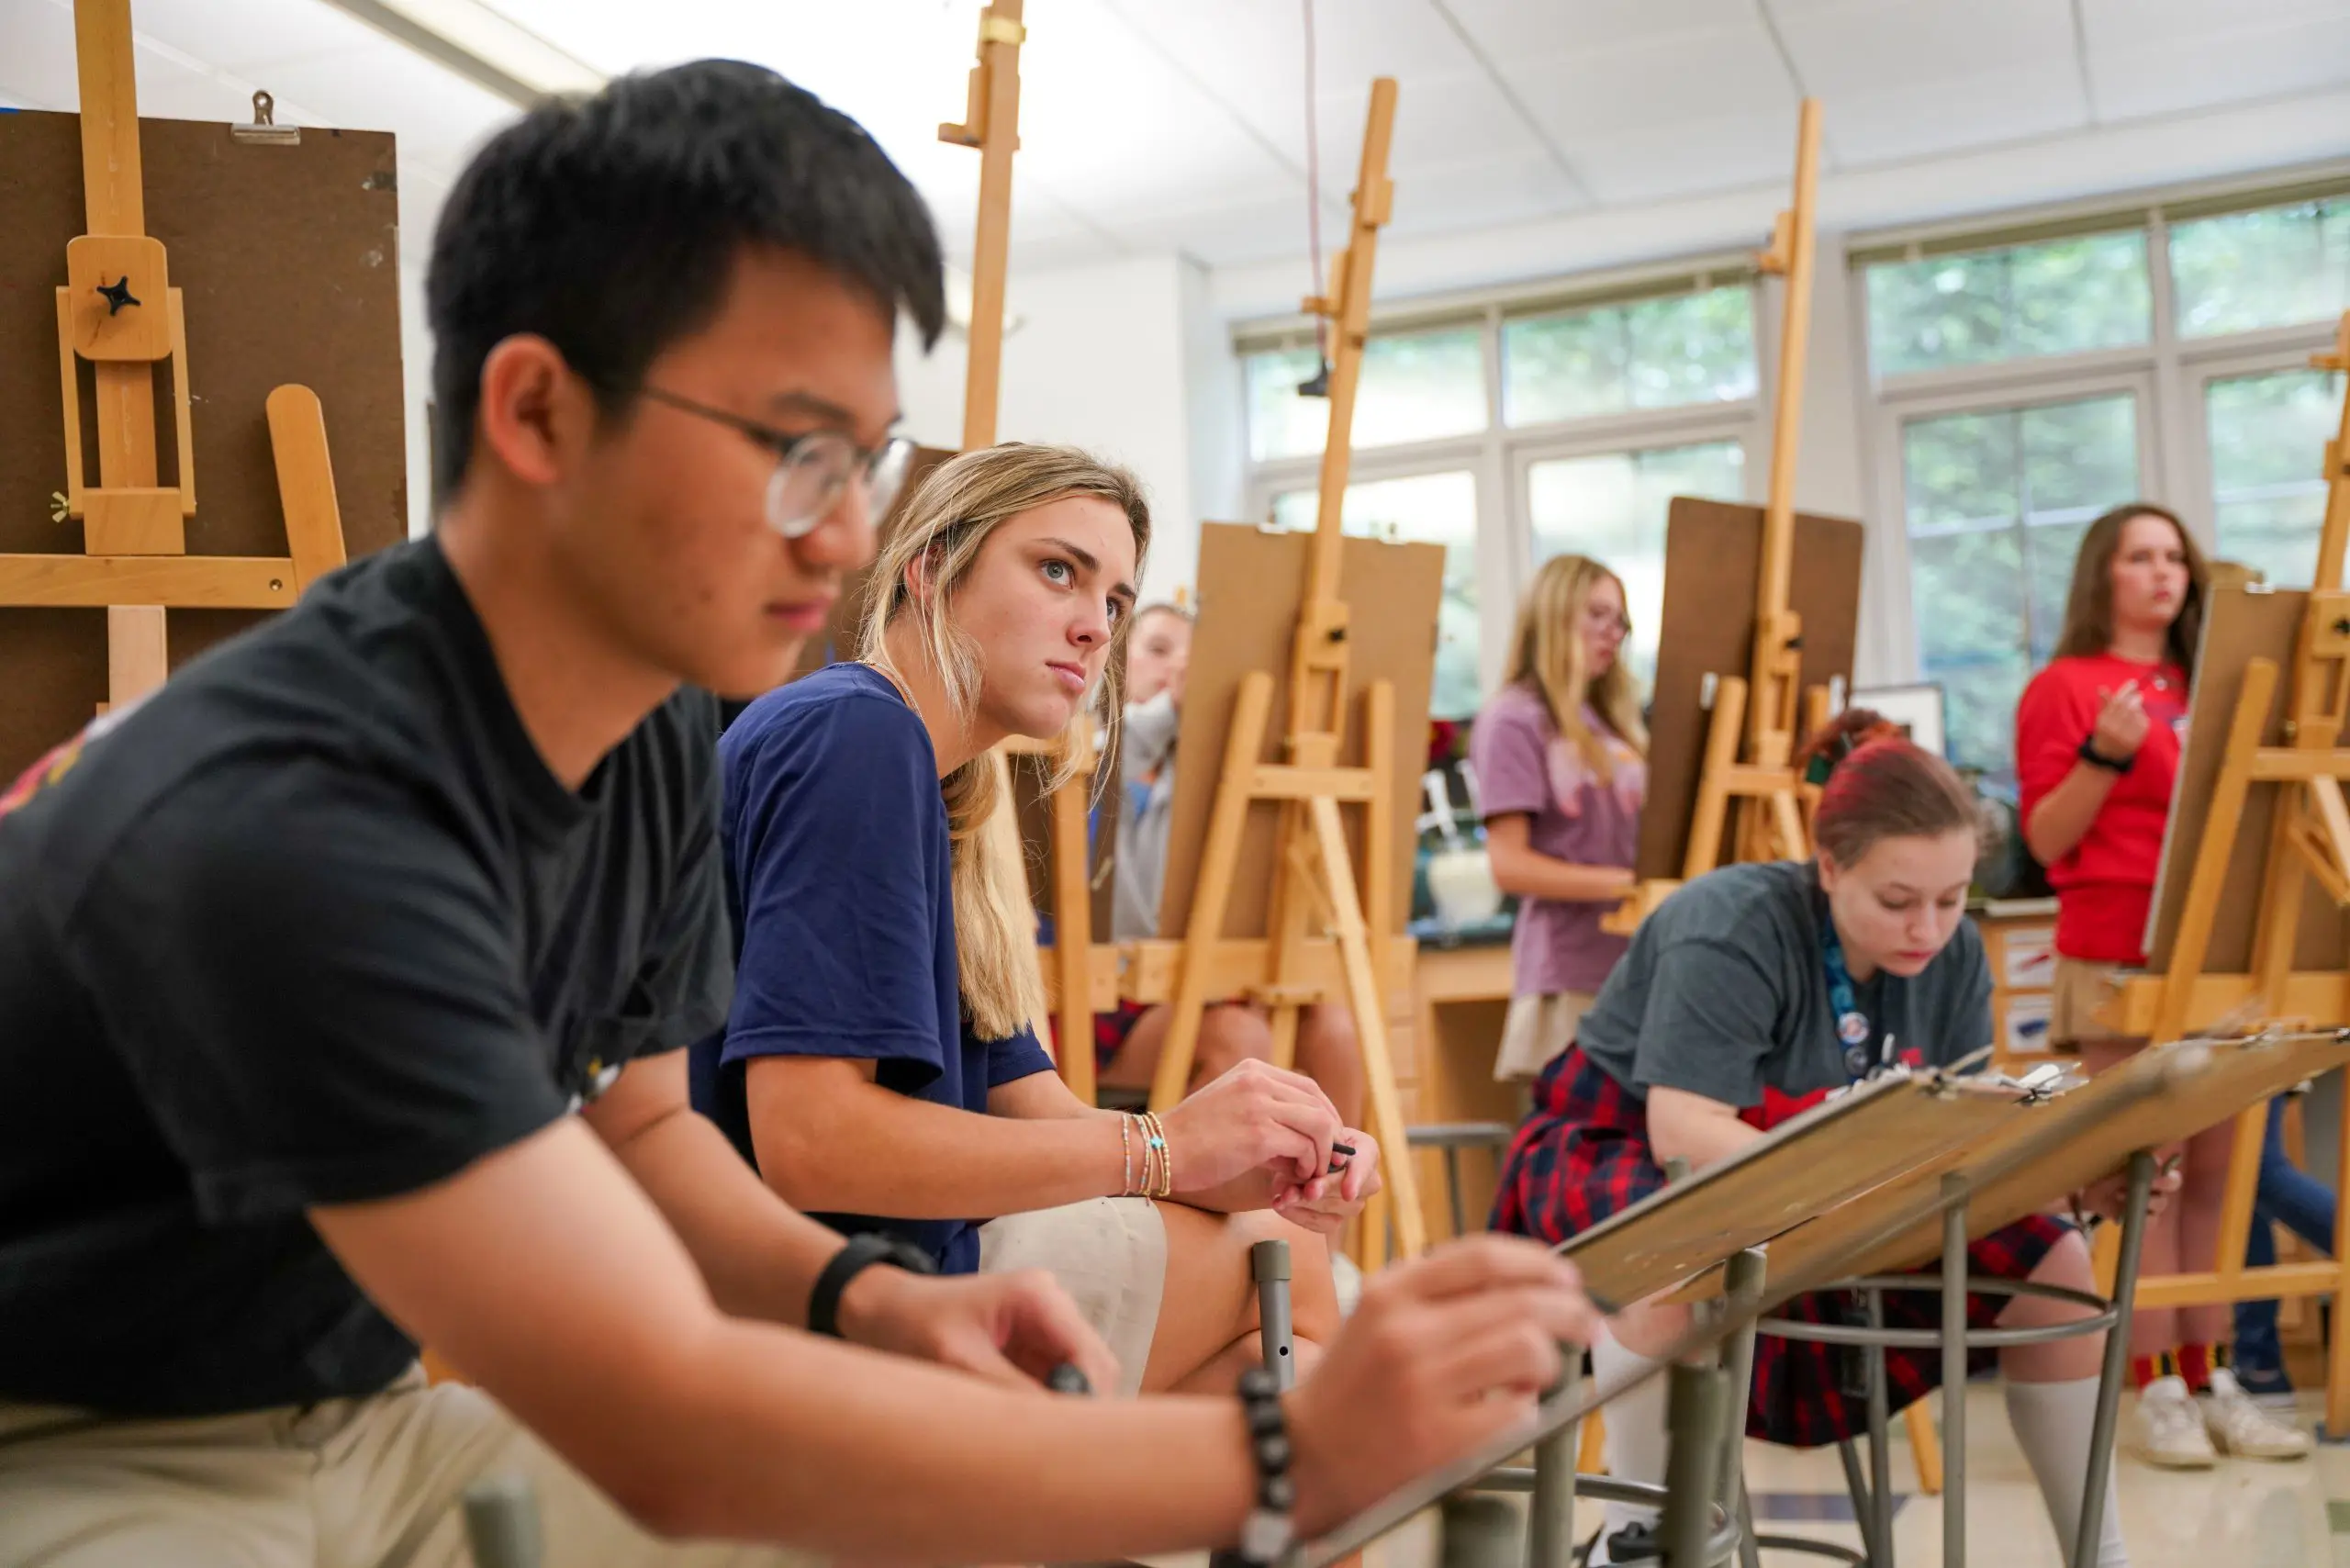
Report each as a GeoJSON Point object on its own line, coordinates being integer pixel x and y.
{"type": "Point", "coordinates": [1110, 1254]}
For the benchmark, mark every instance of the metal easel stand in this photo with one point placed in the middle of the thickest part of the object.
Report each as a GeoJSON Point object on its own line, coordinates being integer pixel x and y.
{"type": "Point", "coordinates": [1872, 1495]}
{"type": "Point", "coordinates": [1704, 1521]}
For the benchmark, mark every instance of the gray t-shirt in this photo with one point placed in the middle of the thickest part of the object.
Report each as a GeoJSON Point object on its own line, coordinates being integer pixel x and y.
{"type": "Point", "coordinates": [1725, 991]}
{"type": "Point", "coordinates": [1146, 765]}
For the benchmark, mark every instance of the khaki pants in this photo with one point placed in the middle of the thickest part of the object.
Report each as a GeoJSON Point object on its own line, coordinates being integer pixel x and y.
{"type": "Point", "coordinates": [374, 1483]}
{"type": "Point", "coordinates": [1110, 1254]}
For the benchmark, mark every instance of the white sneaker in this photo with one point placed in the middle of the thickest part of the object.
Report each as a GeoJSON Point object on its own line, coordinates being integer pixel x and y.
{"type": "Point", "coordinates": [2169, 1431]}
{"type": "Point", "coordinates": [2239, 1426]}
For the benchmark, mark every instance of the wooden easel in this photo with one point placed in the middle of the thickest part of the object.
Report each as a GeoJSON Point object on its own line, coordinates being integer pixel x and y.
{"type": "Point", "coordinates": [2307, 839]}
{"type": "Point", "coordinates": [1313, 873]}
{"type": "Point", "coordinates": [1776, 823]}
{"type": "Point", "coordinates": [991, 123]}
{"type": "Point", "coordinates": [119, 311]}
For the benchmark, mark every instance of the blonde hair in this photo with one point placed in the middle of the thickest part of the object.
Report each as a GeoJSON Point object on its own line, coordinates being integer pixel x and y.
{"type": "Point", "coordinates": [1547, 654]}
{"type": "Point", "coordinates": [943, 526]}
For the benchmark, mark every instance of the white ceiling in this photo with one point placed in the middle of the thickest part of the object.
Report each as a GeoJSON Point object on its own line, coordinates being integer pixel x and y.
{"type": "Point", "coordinates": [1157, 124]}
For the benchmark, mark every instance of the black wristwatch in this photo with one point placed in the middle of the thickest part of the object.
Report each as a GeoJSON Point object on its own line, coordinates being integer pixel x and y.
{"type": "Point", "coordinates": [2096, 759]}
{"type": "Point", "coordinates": [861, 1253]}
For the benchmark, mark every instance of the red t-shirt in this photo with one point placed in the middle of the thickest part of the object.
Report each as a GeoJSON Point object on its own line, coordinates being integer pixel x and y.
{"type": "Point", "coordinates": [2106, 885]}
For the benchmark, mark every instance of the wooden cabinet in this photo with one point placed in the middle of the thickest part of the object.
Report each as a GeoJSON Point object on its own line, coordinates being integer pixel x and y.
{"type": "Point", "coordinates": [2019, 941]}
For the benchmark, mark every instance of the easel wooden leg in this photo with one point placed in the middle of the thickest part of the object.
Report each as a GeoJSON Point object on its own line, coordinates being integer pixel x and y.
{"type": "Point", "coordinates": [1370, 1027]}
{"type": "Point", "coordinates": [2202, 906]}
{"type": "Point", "coordinates": [1219, 859]}
{"type": "Point", "coordinates": [1706, 822]}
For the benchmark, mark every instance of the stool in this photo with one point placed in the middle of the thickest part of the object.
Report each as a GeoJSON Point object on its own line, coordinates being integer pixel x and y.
{"type": "Point", "coordinates": [1452, 1138]}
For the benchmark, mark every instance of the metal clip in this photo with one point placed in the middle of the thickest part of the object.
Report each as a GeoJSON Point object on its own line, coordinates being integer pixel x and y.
{"type": "Point", "coordinates": [266, 132]}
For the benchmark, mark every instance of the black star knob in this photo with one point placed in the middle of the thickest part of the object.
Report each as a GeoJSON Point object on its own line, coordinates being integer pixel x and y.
{"type": "Point", "coordinates": [117, 295]}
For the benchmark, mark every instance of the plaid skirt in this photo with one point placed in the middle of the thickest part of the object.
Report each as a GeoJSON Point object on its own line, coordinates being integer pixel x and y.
{"type": "Point", "coordinates": [1584, 1155]}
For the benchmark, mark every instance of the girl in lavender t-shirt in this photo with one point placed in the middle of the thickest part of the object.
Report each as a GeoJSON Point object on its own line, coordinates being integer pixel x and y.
{"type": "Point", "coordinates": [1560, 760]}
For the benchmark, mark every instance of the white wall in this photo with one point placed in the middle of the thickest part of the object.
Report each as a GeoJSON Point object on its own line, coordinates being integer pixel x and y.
{"type": "Point", "coordinates": [1126, 359]}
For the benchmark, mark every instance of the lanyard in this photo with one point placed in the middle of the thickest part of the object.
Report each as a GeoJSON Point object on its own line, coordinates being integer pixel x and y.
{"type": "Point", "coordinates": [1852, 1028]}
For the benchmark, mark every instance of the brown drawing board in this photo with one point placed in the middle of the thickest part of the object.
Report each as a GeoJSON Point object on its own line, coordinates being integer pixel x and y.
{"type": "Point", "coordinates": [2240, 624]}
{"type": "Point", "coordinates": [1252, 582]}
{"type": "Point", "coordinates": [1713, 562]}
{"type": "Point", "coordinates": [288, 257]}
{"type": "Point", "coordinates": [1828, 1156]}
{"type": "Point", "coordinates": [2058, 1146]}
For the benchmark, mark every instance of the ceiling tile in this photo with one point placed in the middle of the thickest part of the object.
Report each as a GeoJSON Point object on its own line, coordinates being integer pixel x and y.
{"type": "Point", "coordinates": [1729, 73]}
{"type": "Point", "coordinates": [1944, 114]}
{"type": "Point", "coordinates": [2170, 67]}
{"type": "Point", "coordinates": [1689, 158]}
{"type": "Point", "coordinates": [1440, 121]}
{"type": "Point", "coordinates": [2112, 23]}
{"type": "Point", "coordinates": [1513, 29]}
{"type": "Point", "coordinates": [1873, 47]}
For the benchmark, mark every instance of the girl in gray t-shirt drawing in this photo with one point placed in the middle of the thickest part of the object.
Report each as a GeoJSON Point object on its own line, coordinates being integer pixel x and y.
{"type": "Point", "coordinates": [1749, 995]}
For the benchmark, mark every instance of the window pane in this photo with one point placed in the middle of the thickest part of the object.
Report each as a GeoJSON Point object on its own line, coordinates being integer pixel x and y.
{"type": "Point", "coordinates": [1647, 353]}
{"type": "Point", "coordinates": [1612, 508]}
{"type": "Point", "coordinates": [1426, 509]}
{"type": "Point", "coordinates": [2271, 268]}
{"type": "Point", "coordinates": [2268, 435]}
{"type": "Point", "coordinates": [1997, 501]}
{"type": "Point", "coordinates": [1415, 386]}
{"type": "Point", "coordinates": [2062, 297]}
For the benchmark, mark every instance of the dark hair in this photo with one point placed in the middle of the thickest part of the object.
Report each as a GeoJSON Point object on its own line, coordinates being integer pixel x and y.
{"type": "Point", "coordinates": [609, 225]}
{"type": "Point", "coordinates": [2089, 608]}
{"type": "Point", "coordinates": [1879, 784]}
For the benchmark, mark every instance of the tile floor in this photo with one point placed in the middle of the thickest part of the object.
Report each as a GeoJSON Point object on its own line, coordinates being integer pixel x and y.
{"type": "Point", "coordinates": [2242, 1514]}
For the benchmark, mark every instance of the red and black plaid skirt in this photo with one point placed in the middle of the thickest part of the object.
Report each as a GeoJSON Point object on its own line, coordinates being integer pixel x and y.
{"type": "Point", "coordinates": [1110, 1032]}
{"type": "Point", "coordinates": [1584, 1155]}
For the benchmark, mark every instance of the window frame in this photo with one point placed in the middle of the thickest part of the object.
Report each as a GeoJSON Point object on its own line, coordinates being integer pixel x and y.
{"type": "Point", "coordinates": [2169, 375]}
{"type": "Point", "coordinates": [1500, 457]}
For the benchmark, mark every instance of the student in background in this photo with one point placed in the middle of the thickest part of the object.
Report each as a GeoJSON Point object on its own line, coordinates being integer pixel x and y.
{"type": "Point", "coordinates": [1128, 1038]}
{"type": "Point", "coordinates": [2098, 740]}
{"type": "Point", "coordinates": [1751, 993]}
{"type": "Point", "coordinates": [1560, 757]}
{"type": "Point", "coordinates": [878, 1065]}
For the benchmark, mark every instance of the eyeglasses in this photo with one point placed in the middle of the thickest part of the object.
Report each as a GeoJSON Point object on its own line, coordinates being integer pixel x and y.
{"type": "Point", "coordinates": [812, 470]}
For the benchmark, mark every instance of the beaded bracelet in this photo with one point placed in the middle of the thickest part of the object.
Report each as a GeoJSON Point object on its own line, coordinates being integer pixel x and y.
{"type": "Point", "coordinates": [1126, 1155]}
{"type": "Point", "coordinates": [1155, 1132]}
{"type": "Point", "coordinates": [1270, 1527]}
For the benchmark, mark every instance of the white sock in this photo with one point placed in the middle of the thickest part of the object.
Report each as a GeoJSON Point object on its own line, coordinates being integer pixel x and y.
{"type": "Point", "coordinates": [2052, 1423]}
{"type": "Point", "coordinates": [1634, 1440]}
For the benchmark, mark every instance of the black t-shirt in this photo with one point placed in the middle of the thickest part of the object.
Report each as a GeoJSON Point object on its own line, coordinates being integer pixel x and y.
{"type": "Point", "coordinates": [312, 924]}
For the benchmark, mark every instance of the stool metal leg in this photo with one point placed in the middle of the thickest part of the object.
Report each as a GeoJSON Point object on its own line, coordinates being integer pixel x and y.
{"type": "Point", "coordinates": [1954, 1369]}
{"type": "Point", "coordinates": [1452, 1188]}
{"type": "Point", "coordinates": [1695, 1406]}
{"type": "Point", "coordinates": [1269, 1263]}
{"type": "Point", "coordinates": [1880, 1526]}
{"type": "Point", "coordinates": [1856, 1485]}
{"type": "Point", "coordinates": [1551, 1528]}
{"type": "Point", "coordinates": [2094, 1501]}
{"type": "Point", "coordinates": [1742, 1289]}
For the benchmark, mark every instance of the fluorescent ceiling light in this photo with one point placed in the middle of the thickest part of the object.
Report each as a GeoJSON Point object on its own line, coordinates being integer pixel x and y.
{"type": "Point", "coordinates": [480, 44]}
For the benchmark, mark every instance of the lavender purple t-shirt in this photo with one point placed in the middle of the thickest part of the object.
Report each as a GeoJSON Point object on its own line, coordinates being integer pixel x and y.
{"type": "Point", "coordinates": [1524, 765]}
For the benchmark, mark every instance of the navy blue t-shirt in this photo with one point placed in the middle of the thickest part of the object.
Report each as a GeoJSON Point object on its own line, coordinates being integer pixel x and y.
{"type": "Point", "coordinates": [837, 874]}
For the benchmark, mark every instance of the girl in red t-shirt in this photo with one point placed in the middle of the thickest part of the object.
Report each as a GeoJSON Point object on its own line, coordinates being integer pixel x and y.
{"type": "Point", "coordinates": [2098, 740]}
